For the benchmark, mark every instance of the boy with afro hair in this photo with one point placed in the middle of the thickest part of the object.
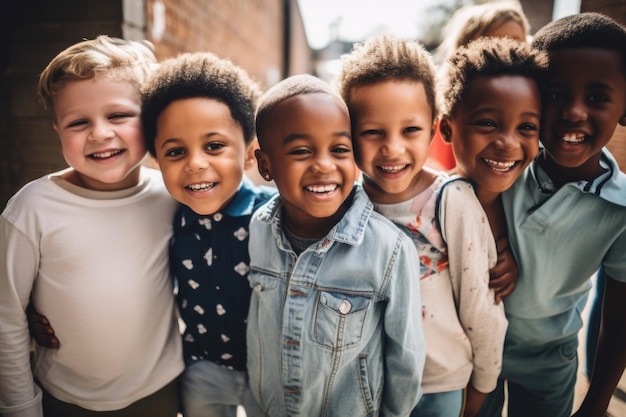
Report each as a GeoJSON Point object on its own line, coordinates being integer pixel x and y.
{"type": "Point", "coordinates": [198, 121]}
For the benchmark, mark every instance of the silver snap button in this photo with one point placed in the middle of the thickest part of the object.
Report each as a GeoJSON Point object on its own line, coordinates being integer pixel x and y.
{"type": "Point", "coordinates": [344, 307]}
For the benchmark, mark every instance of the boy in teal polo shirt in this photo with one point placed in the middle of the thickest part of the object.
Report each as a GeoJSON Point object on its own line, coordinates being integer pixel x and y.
{"type": "Point", "coordinates": [566, 216]}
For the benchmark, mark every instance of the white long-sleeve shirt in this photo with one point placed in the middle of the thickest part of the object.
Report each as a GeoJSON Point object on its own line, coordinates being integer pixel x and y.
{"type": "Point", "coordinates": [464, 328]}
{"type": "Point", "coordinates": [97, 266]}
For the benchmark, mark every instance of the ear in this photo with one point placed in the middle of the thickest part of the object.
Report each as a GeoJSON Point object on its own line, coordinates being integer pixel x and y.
{"type": "Point", "coordinates": [445, 128]}
{"type": "Point", "coordinates": [55, 127]}
{"type": "Point", "coordinates": [250, 160]}
{"type": "Point", "coordinates": [433, 129]}
{"type": "Point", "coordinates": [263, 164]}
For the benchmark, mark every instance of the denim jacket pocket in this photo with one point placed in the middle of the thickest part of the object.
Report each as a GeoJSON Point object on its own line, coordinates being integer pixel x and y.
{"type": "Point", "coordinates": [339, 319]}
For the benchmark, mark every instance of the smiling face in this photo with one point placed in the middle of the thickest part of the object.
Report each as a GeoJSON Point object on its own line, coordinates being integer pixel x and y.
{"type": "Point", "coordinates": [98, 122]}
{"type": "Point", "coordinates": [307, 150]}
{"type": "Point", "coordinates": [201, 153]}
{"type": "Point", "coordinates": [495, 131]}
{"type": "Point", "coordinates": [584, 101]}
{"type": "Point", "coordinates": [392, 128]}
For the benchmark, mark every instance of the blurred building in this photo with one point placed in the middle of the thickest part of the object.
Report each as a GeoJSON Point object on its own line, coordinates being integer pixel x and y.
{"type": "Point", "coordinates": [266, 37]}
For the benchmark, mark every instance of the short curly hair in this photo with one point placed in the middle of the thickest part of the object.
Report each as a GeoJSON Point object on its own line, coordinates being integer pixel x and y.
{"type": "Point", "coordinates": [386, 58]}
{"type": "Point", "coordinates": [292, 86]}
{"type": "Point", "coordinates": [104, 56]}
{"type": "Point", "coordinates": [583, 30]}
{"type": "Point", "coordinates": [198, 74]}
{"type": "Point", "coordinates": [489, 57]}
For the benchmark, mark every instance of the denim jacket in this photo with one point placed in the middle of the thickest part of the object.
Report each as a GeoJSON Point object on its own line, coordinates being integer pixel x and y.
{"type": "Point", "coordinates": [336, 331]}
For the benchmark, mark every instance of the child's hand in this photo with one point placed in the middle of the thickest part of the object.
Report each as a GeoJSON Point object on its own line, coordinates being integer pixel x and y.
{"type": "Point", "coordinates": [473, 402]}
{"type": "Point", "coordinates": [503, 276]}
{"type": "Point", "coordinates": [40, 329]}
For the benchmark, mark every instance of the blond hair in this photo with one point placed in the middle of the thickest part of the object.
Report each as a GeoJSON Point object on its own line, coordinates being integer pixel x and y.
{"type": "Point", "coordinates": [473, 21]}
{"type": "Point", "coordinates": [118, 59]}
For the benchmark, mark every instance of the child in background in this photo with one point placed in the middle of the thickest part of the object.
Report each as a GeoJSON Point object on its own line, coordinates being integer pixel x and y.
{"type": "Point", "coordinates": [566, 216]}
{"type": "Point", "coordinates": [500, 18]}
{"type": "Point", "coordinates": [332, 329]}
{"type": "Point", "coordinates": [389, 86]}
{"type": "Point", "coordinates": [89, 244]}
{"type": "Point", "coordinates": [198, 119]}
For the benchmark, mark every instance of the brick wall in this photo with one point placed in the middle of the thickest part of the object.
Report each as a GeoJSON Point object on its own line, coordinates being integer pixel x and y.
{"type": "Point", "coordinates": [35, 31]}
{"type": "Point", "coordinates": [250, 32]}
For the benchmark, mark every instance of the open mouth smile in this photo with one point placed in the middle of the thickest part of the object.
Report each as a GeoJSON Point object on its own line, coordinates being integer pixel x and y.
{"type": "Point", "coordinates": [105, 155]}
{"type": "Point", "coordinates": [499, 166]}
{"type": "Point", "coordinates": [322, 189]}
{"type": "Point", "coordinates": [202, 186]}
{"type": "Point", "coordinates": [392, 169]}
{"type": "Point", "coordinates": [573, 138]}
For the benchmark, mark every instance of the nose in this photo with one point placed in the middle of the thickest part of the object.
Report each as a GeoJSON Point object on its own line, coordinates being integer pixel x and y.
{"type": "Point", "coordinates": [507, 140]}
{"type": "Point", "coordinates": [392, 146]}
{"type": "Point", "coordinates": [197, 161]}
{"type": "Point", "coordinates": [574, 110]}
{"type": "Point", "coordinates": [100, 131]}
{"type": "Point", "coordinates": [323, 163]}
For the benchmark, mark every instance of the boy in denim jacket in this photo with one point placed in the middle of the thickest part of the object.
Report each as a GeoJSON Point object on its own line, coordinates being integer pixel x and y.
{"type": "Point", "coordinates": [332, 329]}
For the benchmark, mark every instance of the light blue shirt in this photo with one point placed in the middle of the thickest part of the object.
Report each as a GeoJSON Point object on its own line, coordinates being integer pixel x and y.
{"type": "Point", "coordinates": [559, 240]}
{"type": "Point", "coordinates": [336, 331]}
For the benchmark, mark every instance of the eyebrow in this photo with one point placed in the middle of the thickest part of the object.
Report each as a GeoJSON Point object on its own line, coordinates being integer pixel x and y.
{"type": "Point", "coordinates": [596, 85]}
{"type": "Point", "coordinates": [176, 139]}
{"type": "Point", "coordinates": [499, 110]}
{"type": "Point", "coordinates": [295, 136]}
{"type": "Point", "coordinates": [600, 86]}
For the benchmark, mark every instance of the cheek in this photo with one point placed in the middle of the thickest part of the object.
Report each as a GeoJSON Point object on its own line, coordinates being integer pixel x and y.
{"type": "Point", "coordinates": [364, 154]}
{"type": "Point", "coordinates": [134, 139]}
{"type": "Point", "coordinates": [71, 147]}
{"type": "Point", "coordinates": [169, 173]}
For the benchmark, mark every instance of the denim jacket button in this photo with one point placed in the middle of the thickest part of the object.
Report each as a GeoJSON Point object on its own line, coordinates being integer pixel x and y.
{"type": "Point", "coordinates": [344, 307]}
{"type": "Point", "coordinates": [258, 288]}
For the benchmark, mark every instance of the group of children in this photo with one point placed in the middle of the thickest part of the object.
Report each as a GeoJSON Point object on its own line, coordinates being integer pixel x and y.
{"type": "Point", "coordinates": [365, 283]}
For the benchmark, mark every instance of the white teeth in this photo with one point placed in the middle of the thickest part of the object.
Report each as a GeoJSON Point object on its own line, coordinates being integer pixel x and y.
{"type": "Point", "coordinates": [203, 186]}
{"type": "Point", "coordinates": [322, 188]}
{"type": "Point", "coordinates": [499, 165]}
{"type": "Point", "coordinates": [102, 155]}
{"type": "Point", "coordinates": [573, 137]}
{"type": "Point", "coordinates": [393, 169]}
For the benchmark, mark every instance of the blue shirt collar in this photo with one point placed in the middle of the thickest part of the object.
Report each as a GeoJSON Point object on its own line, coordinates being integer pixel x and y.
{"type": "Point", "coordinates": [244, 202]}
{"type": "Point", "coordinates": [609, 185]}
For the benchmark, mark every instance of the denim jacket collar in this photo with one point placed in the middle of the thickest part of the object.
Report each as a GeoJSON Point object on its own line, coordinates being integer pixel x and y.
{"type": "Point", "coordinates": [350, 229]}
